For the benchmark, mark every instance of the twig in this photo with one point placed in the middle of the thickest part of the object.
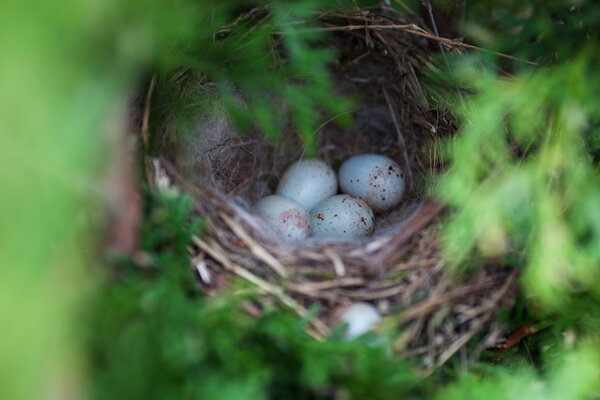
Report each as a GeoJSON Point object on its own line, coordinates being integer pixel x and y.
{"type": "Point", "coordinates": [325, 285]}
{"type": "Point", "coordinates": [401, 140]}
{"type": "Point", "coordinates": [490, 303]}
{"type": "Point", "coordinates": [415, 224]}
{"type": "Point", "coordinates": [254, 247]}
{"type": "Point", "coordinates": [338, 264]}
{"type": "Point", "coordinates": [267, 287]}
{"type": "Point", "coordinates": [427, 5]}
{"type": "Point", "coordinates": [515, 337]}
{"type": "Point", "coordinates": [411, 288]}
{"type": "Point", "coordinates": [408, 10]}
{"type": "Point", "coordinates": [145, 131]}
{"type": "Point", "coordinates": [431, 304]}
{"type": "Point", "coordinates": [461, 341]}
{"type": "Point", "coordinates": [414, 29]}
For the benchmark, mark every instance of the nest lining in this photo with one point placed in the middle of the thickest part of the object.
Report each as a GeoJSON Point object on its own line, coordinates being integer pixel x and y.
{"type": "Point", "coordinates": [399, 269]}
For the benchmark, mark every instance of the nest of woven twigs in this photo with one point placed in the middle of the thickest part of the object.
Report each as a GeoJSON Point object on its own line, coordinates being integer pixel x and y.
{"type": "Point", "coordinates": [399, 269]}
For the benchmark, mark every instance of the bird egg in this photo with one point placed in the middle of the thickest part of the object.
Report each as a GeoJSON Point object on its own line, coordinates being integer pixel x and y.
{"type": "Point", "coordinates": [287, 217]}
{"type": "Point", "coordinates": [342, 216]}
{"type": "Point", "coordinates": [359, 318]}
{"type": "Point", "coordinates": [308, 182]}
{"type": "Point", "coordinates": [374, 178]}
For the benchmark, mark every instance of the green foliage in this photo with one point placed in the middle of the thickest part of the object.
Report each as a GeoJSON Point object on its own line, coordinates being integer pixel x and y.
{"type": "Point", "coordinates": [268, 66]}
{"type": "Point", "coordinates": [524, 187]}
{"type": "Point", "coordinates": [524, 178]}
{"type": "Point", "coordinates": [155, 337]}
{"type": "Point", "coordinates": [544, 31]}
{"type": "Point", "coordinates": [65, 78]}
{"type": "Point", "coordinates": [572, 375]}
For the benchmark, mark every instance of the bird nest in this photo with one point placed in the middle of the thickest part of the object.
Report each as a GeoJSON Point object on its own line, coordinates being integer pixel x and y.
{"type": "Point", "coordinates": [399, 268]}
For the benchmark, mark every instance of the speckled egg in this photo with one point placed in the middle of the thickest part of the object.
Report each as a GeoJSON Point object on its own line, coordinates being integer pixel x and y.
{"type": "Point", "coordinates": [359, 318]}
{"type": "Point", "coordinates": [287, 217]}
{"type": "Point", "coordinates": [342, 216]}
{"type": "Point", "coordinates": [308, 182]}
{"type": "Point", "coordinates": [376, 179]}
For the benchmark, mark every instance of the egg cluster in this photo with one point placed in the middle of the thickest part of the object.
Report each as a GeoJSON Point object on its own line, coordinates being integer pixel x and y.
{"type": "Point", "coordinates": [306, 200]}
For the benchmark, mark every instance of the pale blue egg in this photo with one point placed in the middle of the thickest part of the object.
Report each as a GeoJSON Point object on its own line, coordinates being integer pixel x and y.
{"type": "Point", "coordinates": [287, 217]}
{"type": "Point", "coordinates": [374, 178]}
{"type": "Point", "coordinates": [360, 318]}
{"type": "Point", "coordinates": [308, 182]}
{"type": "Point", "coordinates": [342, 216]}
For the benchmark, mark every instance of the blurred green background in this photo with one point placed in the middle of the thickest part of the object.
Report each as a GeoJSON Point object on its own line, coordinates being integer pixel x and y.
{"type": "Point", "coordinates": [523, 189]}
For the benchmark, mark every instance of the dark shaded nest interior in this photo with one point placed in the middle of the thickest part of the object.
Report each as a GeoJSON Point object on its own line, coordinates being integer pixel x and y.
{"type": "Point", "coordinates": [399, 269]}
